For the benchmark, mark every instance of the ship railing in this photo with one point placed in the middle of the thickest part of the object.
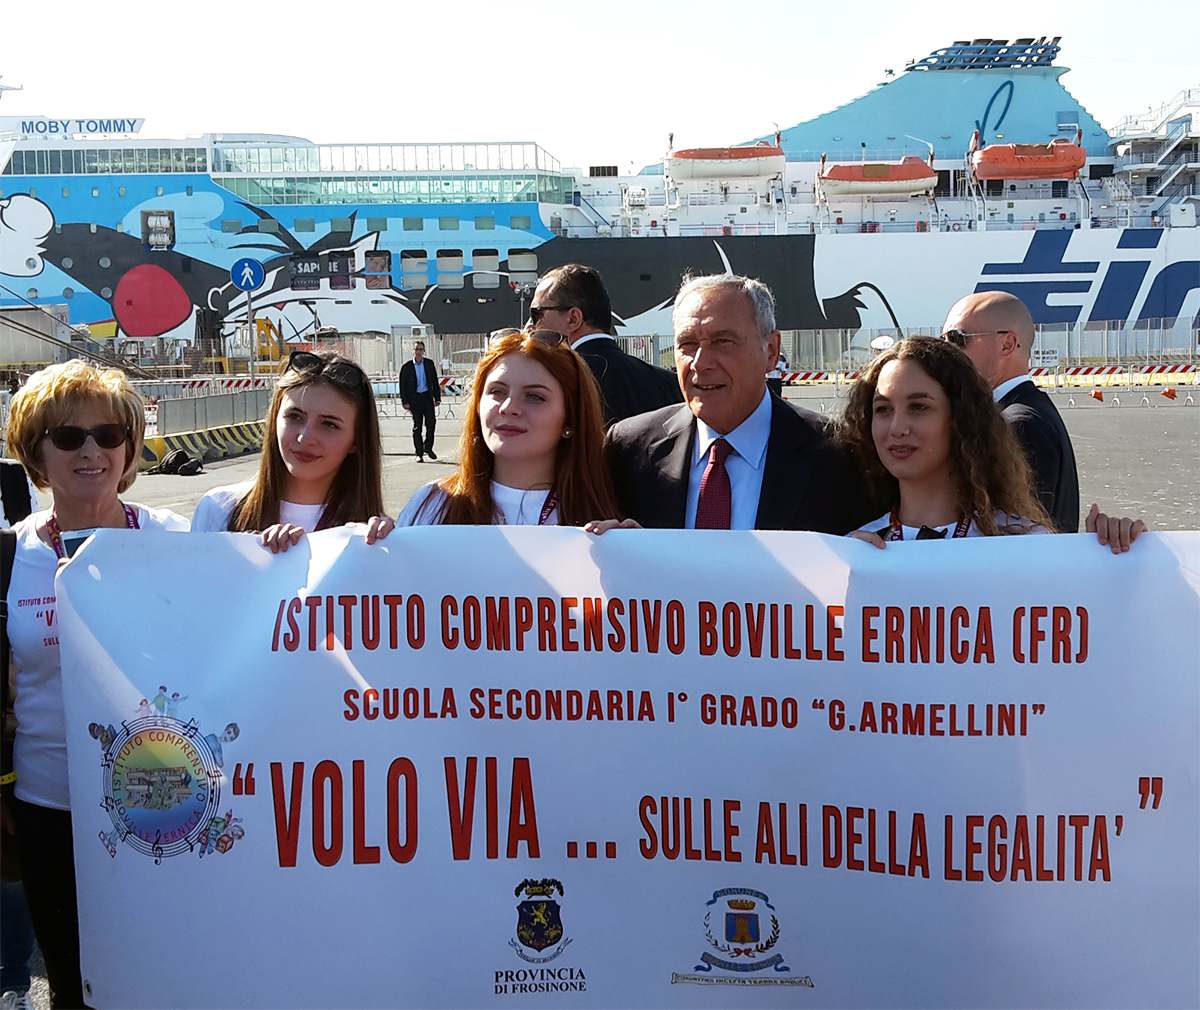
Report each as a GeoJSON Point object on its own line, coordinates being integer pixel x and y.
{"type": "Point", "coordinates": [1151, 122]}
{"type": "Point", "coordinates": [849, 156]}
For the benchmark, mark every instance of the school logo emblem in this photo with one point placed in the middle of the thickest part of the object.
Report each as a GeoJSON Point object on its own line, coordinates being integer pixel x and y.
{"type": "Point", "coordinates": [162, 782]}
{"type": "Point", "coordinates": [743, 927]}
{"type": "Point", "coordinates": [539, 921]}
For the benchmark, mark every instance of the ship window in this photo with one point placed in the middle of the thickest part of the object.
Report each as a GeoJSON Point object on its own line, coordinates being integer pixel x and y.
{"type": "Point", "coordinates": [995, 187]}
{"type": "Point", "coordinates": [104, 262]}
{"type": "Point", "coordinates": [943, 183]}
{"type": "Point", "coordinates": [33, 192]}
{"type": "Point", "coordinates": [189, 191]}
{"type": "Point", "coordinates": [485, 224]}
{"type": "Point", "coordinates": [120, 227]}
{"type": "Point", "coordinates": [268, 226]}
{"type": "Point", "coordinates": [304, 224]}
{"type": "Point", "coordinates": [152, 159]}
{"type": "Point", "coordinates": [1058, 189]}
{"type": "Point", "coordinates": [602, 171]}
{"type": "Point", "coordinates": [448, 223]}
{"type": "Point", "coordinates": [450, 260]}
{"type": "Point", "coordinates": [484, 280]}
{"type": "Point", "coordinates": [106, 292]}
{"type": "Point", "coordinates": [231, 226]}
{"type": "Point", "coordinates": [414, 223]}
{"type": "Point", "coordinates": [95, 191]}
{"type": "Point", "coordinates": [377, 224]}
{"type": "Point", "coordinates": [66, 192]}
{"type": "Point", "coordinates": [120, 191]}
{"type": "Point", "coordinates": [522, 261]}
{"type": "Point", "coordinates": [68, 292]}
{"type": "Point", "coordinates": [104, 161]}
{"type": "Point", "coordinates": [486, 259]}
{"type": "Point", "coordinates": [67, 262]}
{"type": "Point", "coordinates": [16, 164]}
{"type": "Point", "coordinates": [31, 293]}
{"type": "Point", "coordinates": [1100, 171]}
{"type": "Point", "coordinates": [92, 228]}
{"type": "Point", "coordinates": [413, 261]}
{"type": "Point", "coordinates": [55, 163]}
{"type": "Point", "coordinates": [341, 224]}
{"type": "Point", "coordinates": [140, 161]}
{"type": "Point", "coordinates": [520, 221]}
{"type": "Point", "coordinates": [90, 162]}
{"type": "Point", "coordinates": [413, 281]}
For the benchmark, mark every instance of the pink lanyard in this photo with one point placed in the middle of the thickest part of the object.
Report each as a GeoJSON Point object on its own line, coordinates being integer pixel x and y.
{"type": "Point", "coordinates": [897, 530]}
{"type": "Point", "coordinates": [52, 528]}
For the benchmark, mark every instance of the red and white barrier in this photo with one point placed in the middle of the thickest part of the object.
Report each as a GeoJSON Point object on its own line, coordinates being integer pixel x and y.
{"type": "Point", "coordinates": [1167, 369]}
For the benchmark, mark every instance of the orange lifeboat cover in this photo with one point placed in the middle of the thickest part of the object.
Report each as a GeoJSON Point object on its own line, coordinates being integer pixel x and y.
{"type": "Point", "coordinates": [1059, 159]}
{"type": "Point", "coordinates": [729, 153]}
{"type": "Point", "coordinates": [907, 168]}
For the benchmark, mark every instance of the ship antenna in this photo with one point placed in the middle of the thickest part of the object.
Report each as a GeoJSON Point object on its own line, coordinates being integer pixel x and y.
{"type": "Point", "coordinates": [9, 87]}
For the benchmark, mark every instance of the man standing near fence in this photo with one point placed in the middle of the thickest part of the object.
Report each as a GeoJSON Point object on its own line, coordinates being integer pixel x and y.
{"type": "Point", "coordinates": [996, 330]}
{"type": "Point", "coordinates": [420, 394]}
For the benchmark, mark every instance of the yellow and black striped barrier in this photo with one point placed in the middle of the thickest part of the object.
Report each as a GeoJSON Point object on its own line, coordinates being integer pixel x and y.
{"type": "Point", "coordinates": [206, 445]}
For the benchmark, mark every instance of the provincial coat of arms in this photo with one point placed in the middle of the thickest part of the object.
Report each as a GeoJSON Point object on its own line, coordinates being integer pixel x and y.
{"type": "Point", "coordinates": [539, 920]}
{"type": "Point", "coordinates": [162, 782]}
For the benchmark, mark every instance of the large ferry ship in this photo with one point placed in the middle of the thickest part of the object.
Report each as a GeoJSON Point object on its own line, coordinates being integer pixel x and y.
{"type": "Point", "coordinates": [972, 169]}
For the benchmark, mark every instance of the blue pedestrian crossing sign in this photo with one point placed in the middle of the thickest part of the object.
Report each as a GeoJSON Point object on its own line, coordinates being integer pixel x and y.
{"type": "Point", "coordinates": [247, 274]}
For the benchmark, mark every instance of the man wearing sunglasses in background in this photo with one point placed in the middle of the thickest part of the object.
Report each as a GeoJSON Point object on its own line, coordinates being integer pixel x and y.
{"type": "Point", "coordinates": [572, 300]}
{"type": "Point", "coordinates": [420, 395]}
{"type": "Point", "coordinates": [995, 330]}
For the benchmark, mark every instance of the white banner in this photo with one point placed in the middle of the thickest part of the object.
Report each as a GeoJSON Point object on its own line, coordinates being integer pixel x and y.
{"type": "Point", "coordinates": [506, 766]}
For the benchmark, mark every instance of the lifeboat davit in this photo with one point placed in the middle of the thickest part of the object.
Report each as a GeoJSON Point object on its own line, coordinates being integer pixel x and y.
{"type": "Point", "coordinates": [761, 160]}
{"type": "Point", "coordinates": [909, 175]}
{"type": "Point", "coordinates": [1059, 159]}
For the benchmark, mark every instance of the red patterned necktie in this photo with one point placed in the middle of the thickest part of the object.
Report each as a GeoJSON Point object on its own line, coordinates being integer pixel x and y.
{"type": "Point", "coordinates": [714, 509]}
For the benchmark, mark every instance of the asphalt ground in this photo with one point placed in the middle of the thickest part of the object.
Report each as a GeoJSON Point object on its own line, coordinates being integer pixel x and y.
{"type": "Point", "coordinates": [1134, 459]}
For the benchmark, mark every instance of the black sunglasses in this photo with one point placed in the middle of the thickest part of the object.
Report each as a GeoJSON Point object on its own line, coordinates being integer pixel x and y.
{"type": "Point", "coordinates": [537, 311]}
{"type": "Point", "coordinates": [959, 339]}
{"type": "Point", "coordinates": [340, 371]}
{"type": "Point", "coordinates": [551, 338]}
{"type": "Point", "coordinates": [69, 437]}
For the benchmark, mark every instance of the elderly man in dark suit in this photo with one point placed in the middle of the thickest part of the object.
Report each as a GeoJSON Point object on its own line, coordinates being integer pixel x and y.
{"type": "Point", "coordinates": [734, 456]}
{"type": "Point", "coordinates": [573, 301]}
{"type": "Point", "coordinates": [996, 331]}
{"type": "Point", "coordinates": [420, 394]}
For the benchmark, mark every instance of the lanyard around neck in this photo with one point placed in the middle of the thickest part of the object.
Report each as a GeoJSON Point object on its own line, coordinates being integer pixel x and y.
{"type": "Point", "coordinates": [896, 529]}
{"type": "Point", "coordinates": [55, 532]}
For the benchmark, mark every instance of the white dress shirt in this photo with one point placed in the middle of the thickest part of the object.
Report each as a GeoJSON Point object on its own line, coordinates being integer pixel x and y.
{"type": "Point", "coordinates": [744, 465]}
{"type": "Point", "coordinates": [1001, 391]}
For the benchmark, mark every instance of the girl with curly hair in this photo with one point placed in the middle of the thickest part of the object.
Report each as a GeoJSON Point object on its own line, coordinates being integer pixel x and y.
{"type": "Point", "coordinates": [938, 453]}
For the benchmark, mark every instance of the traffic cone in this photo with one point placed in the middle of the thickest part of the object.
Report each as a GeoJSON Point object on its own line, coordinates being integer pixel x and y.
{"type": "Point", "coordinates": [1097, 394]}
{"type": "Point", "coordinates": [1169, 392]}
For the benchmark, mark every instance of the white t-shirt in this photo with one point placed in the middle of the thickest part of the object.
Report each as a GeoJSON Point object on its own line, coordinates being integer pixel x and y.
{"type": "Point", "coordinates": [213, 510]}
{"type": "Point", "coordinates": [1004, 522]}
{"type": "Point", "coordinates": [517, 506]}
{"type": "Point", "coordinates": [40, 756]}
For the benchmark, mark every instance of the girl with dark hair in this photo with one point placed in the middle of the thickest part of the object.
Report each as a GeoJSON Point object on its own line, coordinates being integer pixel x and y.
{"type": "Point", "coordinates": [939, 454]}
{"type": "Point", "coordinates": [531, 451]}
{"type": "Point", "coordinates": [322, 460]}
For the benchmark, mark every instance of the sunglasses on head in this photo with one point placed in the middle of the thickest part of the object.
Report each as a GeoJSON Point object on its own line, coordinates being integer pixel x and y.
{"type": "Point", "coordinates": [340, 371]}
{"type": "Point", "coordinates": [537, 311]}
{"type": "Point", "coordinates": [551, 338]}
{"type": "Point", "coordinates": [959, 338]}
{"type": "Point", "coordinates": [69, 437]}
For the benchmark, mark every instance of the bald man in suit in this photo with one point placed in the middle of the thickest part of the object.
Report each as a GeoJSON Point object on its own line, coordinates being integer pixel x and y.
{"type": "Point", "coordinates": [995, 329]}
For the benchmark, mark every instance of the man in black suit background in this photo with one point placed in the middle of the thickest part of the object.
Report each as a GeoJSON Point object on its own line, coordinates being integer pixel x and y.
{"type": "Point", "coordinates": [995, 329]}
{"type": "Point", "coordinates": [734, 456]}
{"type": "Point", "coordinates": [420, 394]}
{"type": "Point", "coordinates": [573, 301]}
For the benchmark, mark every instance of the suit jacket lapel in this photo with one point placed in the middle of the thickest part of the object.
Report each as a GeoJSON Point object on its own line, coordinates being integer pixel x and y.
{"type": "Point", "coordinates": [671, 457]}
{"type": "Point", "coordinates": [786, 470]}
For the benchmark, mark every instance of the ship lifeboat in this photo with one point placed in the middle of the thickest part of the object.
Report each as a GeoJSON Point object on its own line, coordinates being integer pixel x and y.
{"type": "Point", "coordinates": [908, 176]}
{"type": "Point", "coordinates": [1059, 159]}
{"type": "Point", "coordinates": [758, 161]}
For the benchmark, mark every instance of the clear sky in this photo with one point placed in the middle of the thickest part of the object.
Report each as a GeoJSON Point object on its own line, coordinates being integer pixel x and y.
{"type": "Point", "coordinates": [598, 83]}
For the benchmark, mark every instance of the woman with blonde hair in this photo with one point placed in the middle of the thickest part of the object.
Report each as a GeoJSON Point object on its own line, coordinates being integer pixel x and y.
{"type": "Point", "coordinates": [78, 432]}
{"type": "Point", "coordinates": [531, 452]}
{"type": "Point", "coordinates": [322, 459]}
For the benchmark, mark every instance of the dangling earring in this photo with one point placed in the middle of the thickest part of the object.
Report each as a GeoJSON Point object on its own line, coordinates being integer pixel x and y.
{"type": "Point", "coordinates": [566, 432]}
